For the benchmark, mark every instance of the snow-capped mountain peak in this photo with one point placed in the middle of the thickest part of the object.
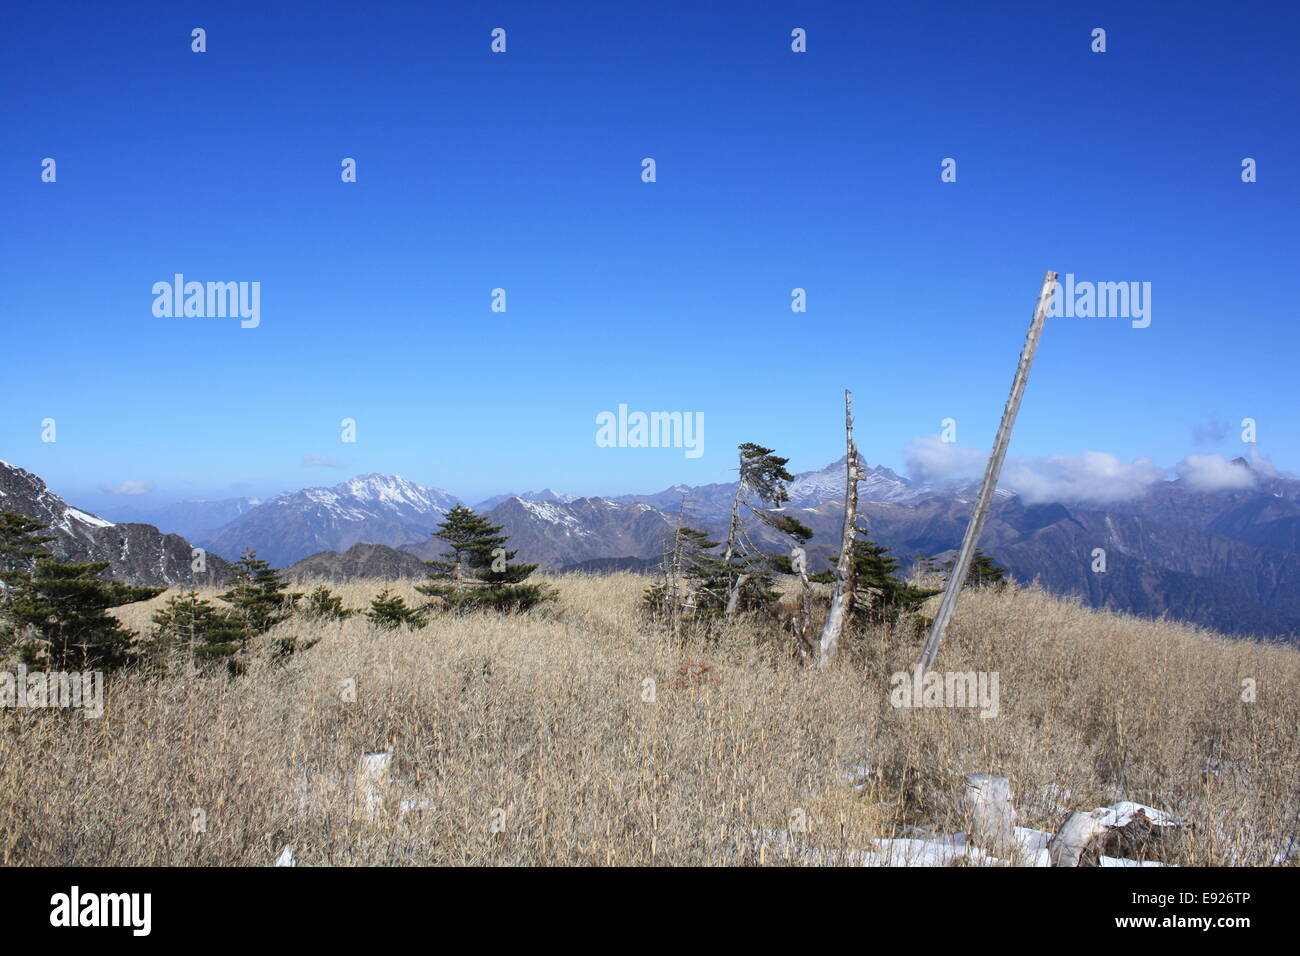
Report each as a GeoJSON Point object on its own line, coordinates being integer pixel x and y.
{"type": "Point", "coordinates": [375, 508]}
{"type": "Point", "coordinates": [828, 484]}
{"type": "Point", "coordinates": [546, 494]}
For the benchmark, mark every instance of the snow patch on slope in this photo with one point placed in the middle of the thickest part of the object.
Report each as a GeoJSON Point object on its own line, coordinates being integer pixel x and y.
{"type": "Point", "coordinates": [84, 518]}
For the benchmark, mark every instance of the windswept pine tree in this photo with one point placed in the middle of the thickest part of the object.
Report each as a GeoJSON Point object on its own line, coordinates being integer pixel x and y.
{"type": "Point", "coordinates": [475, 571]}
{"type": "Point", "coordinates": [760, 488]}
{"type": "Point", "coordinates": [55, 613]}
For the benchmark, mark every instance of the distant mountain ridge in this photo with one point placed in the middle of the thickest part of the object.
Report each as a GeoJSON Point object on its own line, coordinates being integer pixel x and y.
{"type": "Point", "coordinates": [546, 494]}
{"type": "Point", "coordinates": [373, 509]}
{"type": "Point", "coordinates": [190, 519]}
{"type": "Point", "coordinates": [1229, 560]}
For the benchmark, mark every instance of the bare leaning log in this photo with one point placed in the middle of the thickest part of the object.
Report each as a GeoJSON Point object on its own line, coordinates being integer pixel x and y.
{"type": "Point", "coordinates": [962, 567]}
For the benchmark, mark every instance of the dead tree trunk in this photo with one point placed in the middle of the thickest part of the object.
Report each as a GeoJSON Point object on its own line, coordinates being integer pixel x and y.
{"type": "Point", "coordinates": [734, 533]}
{"type": "Point", "coordinates": [842, 598]}
{"type": "Point", "coordinates": [962, 566]}
{"type": "Point", "coordinates": [799, 564]}
{"type": "Point", "coordinates": [672, 566]}
{"type": "Point", "coordinates": [733, 599]}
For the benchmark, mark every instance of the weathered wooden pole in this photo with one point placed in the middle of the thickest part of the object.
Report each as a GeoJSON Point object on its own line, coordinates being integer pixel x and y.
{"type": "Point", "coordinates": [958, 576]}
{"type": "Point", "coordinates": [842, 598]}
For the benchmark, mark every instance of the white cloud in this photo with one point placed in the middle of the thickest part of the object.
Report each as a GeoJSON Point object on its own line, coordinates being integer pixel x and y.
{"type": "Point", "coordinates": [931, 459]}
{"type": "Point", "coordinates": [128, 488]}
{"type": "Point", "coordinates": [1214, 473]}
{"type": "Point", "coordinates": [320, 461]}
{"type": "Point", "coordinates": [1091, 477]}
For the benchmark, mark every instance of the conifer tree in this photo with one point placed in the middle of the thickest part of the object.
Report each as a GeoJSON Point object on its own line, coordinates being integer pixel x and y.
{"type": "Point", "coordinates": [881, 596]}
{"type": "Point", "coordinates": [21, 545]}
{"type": "Point", "coordinates": [389, 610]}
{"type": "Point", "coordinates": [475, 571]}
{"type": "Point", "coordinates": [324, 605]}
{"type": "Point", "coordinates": [875, 569]}
{"type": "Point", "coordinates": [696, 581]}
{"type": "Point", "coordinates": [55, 613]}
{"type": "Point", "coordinates": [259, 594]}
{"type": "Point", "coordinates": [983, 572]}
{"type": "Point", "coordinates": [194, 629]}
{"type": "Point", "coordinates": [761, 486]}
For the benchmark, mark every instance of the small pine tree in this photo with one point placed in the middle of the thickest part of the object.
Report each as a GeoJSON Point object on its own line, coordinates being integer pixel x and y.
{"type": "Point", "coordinates": [390, 611]}
{"type": "Point", "coordinates": [883, 598]}
{"type": "Point", "coordinates": [323, 605]}
{"type": "Point", "coordinates": [696, 579]}
{"type": "Point", "coordinates": [191, 628]}
{"type": "Point", "coordinates": [476, 571]}
{"type": "Point", "coordinates": [982, 572]}
{"type": "Point", "coordinates": [258, 594]}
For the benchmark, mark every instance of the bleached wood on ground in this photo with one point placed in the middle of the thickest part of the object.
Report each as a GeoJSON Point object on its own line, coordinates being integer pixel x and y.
{"type": "Point", "coordinates": [1078, 830]}
{"type": "Point", "coordinates": [372, 781]}
{"type": "Point", "coordinates": [957, 579]}
{"type": "Point", "coordinates": [990, 813]}
{"type": "Point", "coordinates": [842, 597]}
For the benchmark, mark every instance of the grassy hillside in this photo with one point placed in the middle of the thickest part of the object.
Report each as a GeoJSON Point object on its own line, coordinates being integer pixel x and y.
{"type": "Point", "coordinates": [537, 726]}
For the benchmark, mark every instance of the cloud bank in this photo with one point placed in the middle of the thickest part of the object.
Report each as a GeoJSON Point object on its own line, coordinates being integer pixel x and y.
{"type": "Point", "coordinates": [1091, 477]}
{"type": "Point", "coordinates": [1214, 473]}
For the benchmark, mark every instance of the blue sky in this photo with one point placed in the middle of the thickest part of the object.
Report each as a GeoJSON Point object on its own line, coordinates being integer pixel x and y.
{"type": "Point", "coordinates": [522, 170]}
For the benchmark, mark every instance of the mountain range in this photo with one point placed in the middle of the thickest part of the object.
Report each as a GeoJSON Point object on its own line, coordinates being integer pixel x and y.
{"type": "Point", "coordinates": [1229, 560]}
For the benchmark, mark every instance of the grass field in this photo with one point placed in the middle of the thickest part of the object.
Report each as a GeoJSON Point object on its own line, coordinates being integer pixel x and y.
{"type": "Point", "coordinates": [582, 734]}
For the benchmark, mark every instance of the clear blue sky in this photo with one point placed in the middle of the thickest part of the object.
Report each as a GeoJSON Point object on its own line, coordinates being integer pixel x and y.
{"type": "Point", "coordinates": [523, 171]}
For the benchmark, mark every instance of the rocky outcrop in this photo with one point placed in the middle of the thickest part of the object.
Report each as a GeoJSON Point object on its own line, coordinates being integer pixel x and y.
{"type": "Point", "coordinates": [375, 561]}
{"type": "Point", "coordinates": [136, 553]}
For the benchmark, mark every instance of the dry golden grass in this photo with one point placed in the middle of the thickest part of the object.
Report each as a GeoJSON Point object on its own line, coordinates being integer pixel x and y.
{"type": "Point", "coordinates": [528, 740]}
